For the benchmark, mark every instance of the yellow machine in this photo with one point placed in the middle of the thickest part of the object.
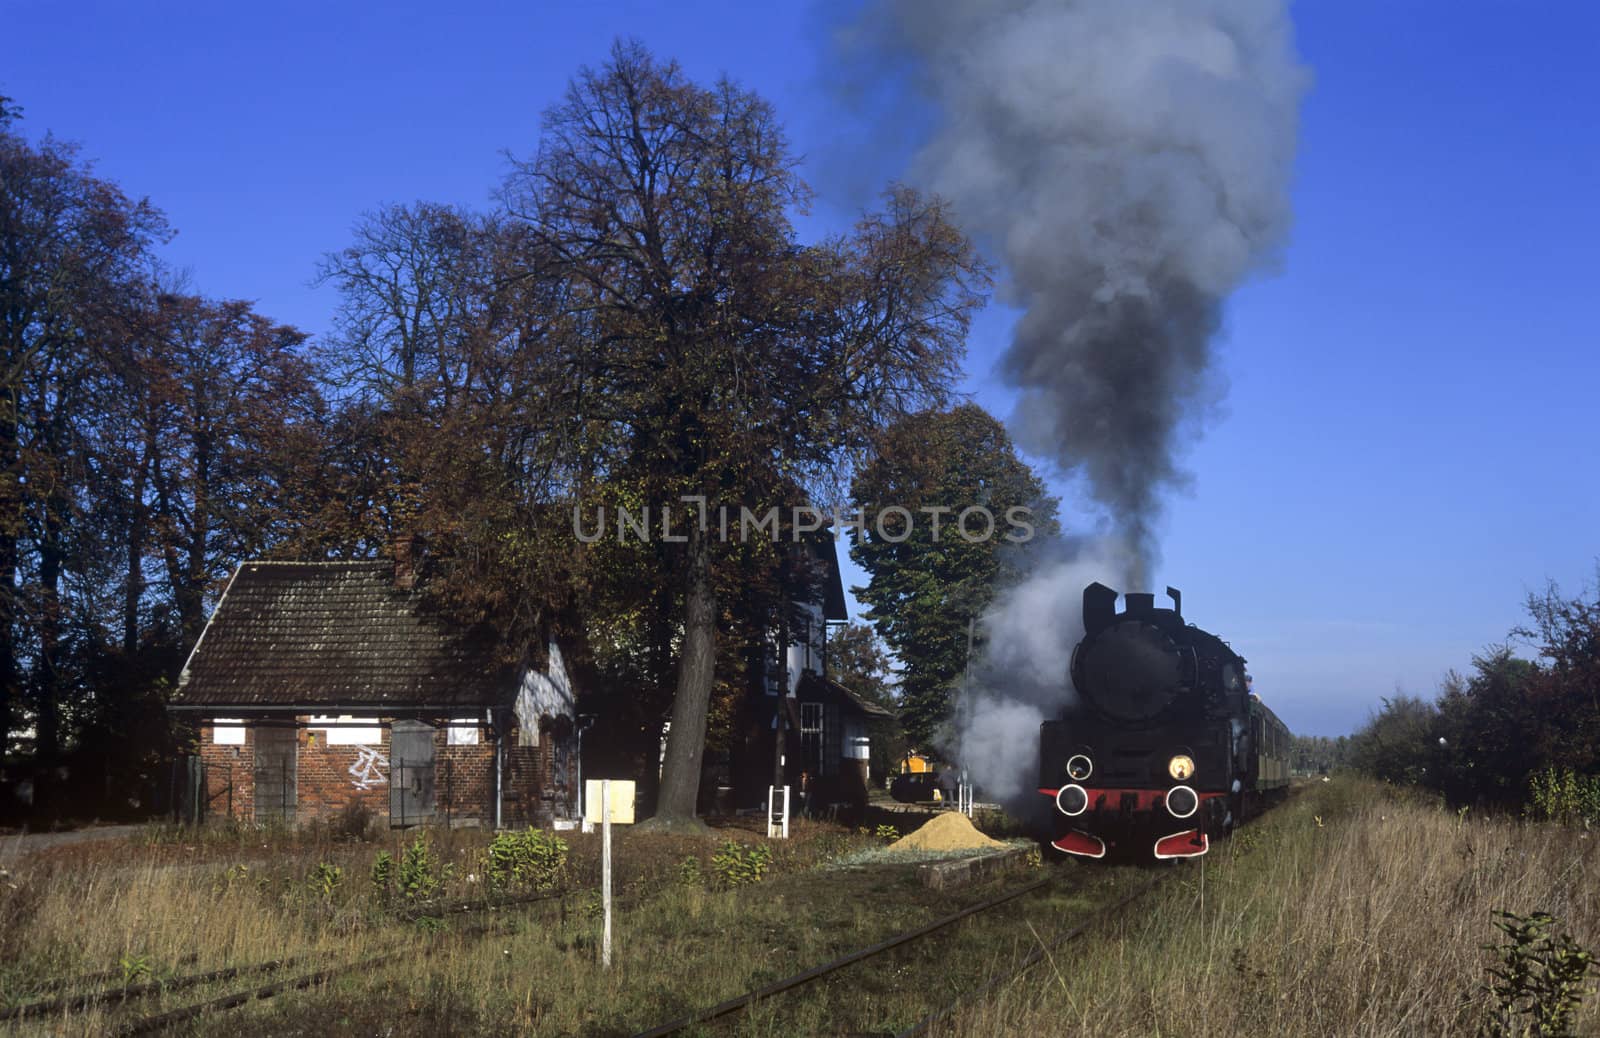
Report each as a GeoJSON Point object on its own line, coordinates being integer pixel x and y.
{"type": "Point", "coordinates": [918, 781]}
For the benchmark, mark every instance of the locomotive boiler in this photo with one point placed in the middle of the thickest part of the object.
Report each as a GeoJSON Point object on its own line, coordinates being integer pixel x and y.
{"type": "Point", "coordinates": [1164, 748]}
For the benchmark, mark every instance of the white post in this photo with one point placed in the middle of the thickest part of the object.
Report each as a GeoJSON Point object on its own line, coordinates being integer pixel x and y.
{"type": "Point", "coordinates": [777, 825]}
{"type": "Point", "coordinates": [605, 870]}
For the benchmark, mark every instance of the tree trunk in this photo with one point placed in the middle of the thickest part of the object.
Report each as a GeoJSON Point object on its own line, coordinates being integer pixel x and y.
{"type": "Point", "coordinates": [10, 521]}
{"type": "Point", "coordinates": [686, 742]}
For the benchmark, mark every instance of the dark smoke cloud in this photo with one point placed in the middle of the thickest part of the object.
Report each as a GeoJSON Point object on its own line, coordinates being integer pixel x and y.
{"type": "Point", "coordinates": [1129, 162]}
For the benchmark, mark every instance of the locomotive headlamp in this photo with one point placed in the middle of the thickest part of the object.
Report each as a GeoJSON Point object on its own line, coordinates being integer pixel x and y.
{"type": "Point", "coordinates": [1072, 800]}
{"type": "Point", "coordinates": [1079, 767]}
{"type": "Point", "coordinates": [1180, 767]}
{"type": "Point", "coordinates": [1182, 802]}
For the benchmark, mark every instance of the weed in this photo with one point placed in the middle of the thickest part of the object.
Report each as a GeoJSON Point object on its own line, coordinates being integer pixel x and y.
{"type": "Point", "coordinates": [383, 877]}
{"type": "Point", "coordinates": [689, 872]}
{"type": "Point", "coordinates": [325, 879]}
{"type": "Point", "coordinates": [887, 833]}
{"type": "Point", "coordinates": [419, 873]}
{"type": "Point", "coordinates": [736, 864]}
{"type": "Point", "coordinates": [532, 858]}
{"type": "Point", "coordinates": [134, 968]}
{"type": "Point", "coordinates": [1538, 985]}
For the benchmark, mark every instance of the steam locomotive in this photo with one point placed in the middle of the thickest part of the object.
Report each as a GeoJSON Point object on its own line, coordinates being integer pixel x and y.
{"type": "Point", "coordinates": [1165, 747]}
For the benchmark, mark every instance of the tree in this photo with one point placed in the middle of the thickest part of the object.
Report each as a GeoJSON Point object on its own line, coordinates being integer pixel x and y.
{"type": "Point", "coordinates": [1564, 692]}
{"type": "Point", "coordinates": [721, 359]}
{"type": "Point", "coordinates": [856, 658]}
{"type": "Point", "coordinates": [75, 253]}
{"type": "Point", "coordinates": [1400, 742]}
{"type": "Point", "coordinates": [1491, 731]}
{"type": "Point", "coordinates": [928, 579]}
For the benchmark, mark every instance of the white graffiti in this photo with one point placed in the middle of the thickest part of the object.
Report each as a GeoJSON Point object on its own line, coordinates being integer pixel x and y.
{"type": "Point", "coordinates": [368, 768]}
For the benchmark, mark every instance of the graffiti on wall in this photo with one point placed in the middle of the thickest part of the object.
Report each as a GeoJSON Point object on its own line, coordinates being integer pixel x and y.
{"type": "Point", "coordinates": [368, 769]}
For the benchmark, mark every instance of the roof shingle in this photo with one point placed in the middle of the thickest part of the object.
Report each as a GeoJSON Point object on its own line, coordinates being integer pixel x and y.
{"type": "Point", "coordinates": [336, 634]}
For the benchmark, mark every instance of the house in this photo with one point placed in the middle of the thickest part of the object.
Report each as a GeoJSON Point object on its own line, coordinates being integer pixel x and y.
{"type": "Point", "coordinates": [809, 731]}
{"type": "Point", "coordinates": [318, 686]}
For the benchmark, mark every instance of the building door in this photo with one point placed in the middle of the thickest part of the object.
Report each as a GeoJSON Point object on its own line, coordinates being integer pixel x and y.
{"type": "Point", "coordinates": [275, 773]}
{"type": "Point", "coordinates": [411, 771]}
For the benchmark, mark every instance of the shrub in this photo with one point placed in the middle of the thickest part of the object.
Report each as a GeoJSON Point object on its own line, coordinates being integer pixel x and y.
{"type": "Point", "coordinates": [353, 822]}
{"type": "Point", "coordinates": [1565, 796]}
{"type": "Point", "coordinates": [735, 864]}
{"type": "Point", "coordinates": [532, 858]}
{"type": "Point", "coordinates": [1538, 985]}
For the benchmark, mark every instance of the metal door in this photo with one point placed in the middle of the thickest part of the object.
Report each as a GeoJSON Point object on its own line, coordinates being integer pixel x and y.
{"type": "Point", "coordinates": [275, 773]}
{"type": "Point", "coordinates": [411, 769]}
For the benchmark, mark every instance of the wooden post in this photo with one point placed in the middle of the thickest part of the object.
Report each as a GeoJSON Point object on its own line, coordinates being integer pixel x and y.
{"type": "Point", "coordinates": [605, 870]}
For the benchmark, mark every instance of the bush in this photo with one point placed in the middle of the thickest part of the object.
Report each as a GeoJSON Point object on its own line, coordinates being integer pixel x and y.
{"type": "Point", "coordinates": [689, 874]}
{"type": "Point", "coordinates": [1564, 796]}
{"type": "Point", "coordinates": [735, 864]}
{"type": "Point", "coordinates": [532, 858]}
{"type": "Point", "coordinates": [355, 821]}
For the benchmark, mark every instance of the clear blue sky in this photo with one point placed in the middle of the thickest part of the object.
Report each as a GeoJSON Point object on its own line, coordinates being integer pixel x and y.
{"type": "Point", "coordinates": [1409, 439]}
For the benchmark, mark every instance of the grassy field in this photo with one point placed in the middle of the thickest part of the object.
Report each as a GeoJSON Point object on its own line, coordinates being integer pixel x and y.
{"type": "Point", "coordinates": [1350, 910]}
{"type": "Point", "coordinates": [176, 902]}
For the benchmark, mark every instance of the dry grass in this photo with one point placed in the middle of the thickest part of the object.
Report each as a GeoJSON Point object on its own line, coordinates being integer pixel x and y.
{"type": "Point", "coordinates": [178, 902]}
{"type": "Point", "coordinates": [1351, 910]}
{"type": "Point", "coordinates": [1347, 911]}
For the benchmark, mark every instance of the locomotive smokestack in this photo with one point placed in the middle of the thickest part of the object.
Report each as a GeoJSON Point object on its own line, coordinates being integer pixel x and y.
{"type": "Point", "coordinates": [1140, 602]}
{"type": "Point", "coordinates": [1129, 160]}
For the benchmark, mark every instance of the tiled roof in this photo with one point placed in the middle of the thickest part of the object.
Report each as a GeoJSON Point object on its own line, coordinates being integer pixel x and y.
{"type": "Point", "coordinates": [336, 634]}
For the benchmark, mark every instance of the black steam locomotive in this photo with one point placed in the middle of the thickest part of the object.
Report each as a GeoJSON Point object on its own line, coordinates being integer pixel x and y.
{"type": "Point", "coordinates": [1165, 746]}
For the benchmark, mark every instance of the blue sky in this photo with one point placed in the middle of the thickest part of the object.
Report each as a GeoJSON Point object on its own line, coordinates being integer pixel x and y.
{"type": "Point", "coordinates": [1406, 448]}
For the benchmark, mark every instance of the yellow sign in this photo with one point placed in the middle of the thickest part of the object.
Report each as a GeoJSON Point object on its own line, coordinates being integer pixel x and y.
{"type": "Point", "coordinates": [619, 798]}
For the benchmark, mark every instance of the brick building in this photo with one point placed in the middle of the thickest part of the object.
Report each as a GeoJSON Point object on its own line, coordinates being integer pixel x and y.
{"type": "Point", "coordinates": [319, 685]}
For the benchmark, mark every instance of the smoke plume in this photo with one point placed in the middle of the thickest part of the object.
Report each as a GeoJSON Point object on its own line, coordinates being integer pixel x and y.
{"type": "Point", "coordinates": [1020, 677]}
{"type": "Point", "coordinates": [1129, 162]}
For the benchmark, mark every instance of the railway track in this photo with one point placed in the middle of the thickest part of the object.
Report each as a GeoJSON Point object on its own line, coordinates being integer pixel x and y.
{"type": "Point", "coordinates": [798, 980]}
{"type": "Point", "coordinates": [93, 990]}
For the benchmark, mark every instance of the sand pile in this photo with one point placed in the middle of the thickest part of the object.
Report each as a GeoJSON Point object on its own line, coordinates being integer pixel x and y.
{"type": "Point", "coordinates": [951, 831]}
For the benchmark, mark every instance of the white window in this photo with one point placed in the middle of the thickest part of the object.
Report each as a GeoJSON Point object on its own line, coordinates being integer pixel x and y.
{"type": "Point", "coordinates": [227, 731]}
{"type": "Point", "coordinates": [463, 732]}
{"type": "Point", "coordinates": [346, 730]}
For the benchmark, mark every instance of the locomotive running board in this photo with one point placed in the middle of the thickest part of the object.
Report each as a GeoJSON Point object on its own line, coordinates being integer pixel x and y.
{"type": "Point", "coordinates": [1183, 845]}
{"type": "Point", "coordinates": [1082, 844]}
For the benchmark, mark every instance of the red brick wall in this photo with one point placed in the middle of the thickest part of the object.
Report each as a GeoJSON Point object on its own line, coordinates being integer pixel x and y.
{"type": "Point", "coordinates": [325, 784]}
